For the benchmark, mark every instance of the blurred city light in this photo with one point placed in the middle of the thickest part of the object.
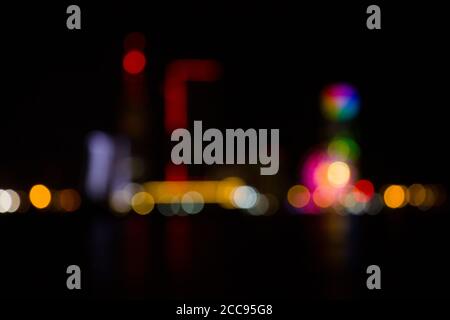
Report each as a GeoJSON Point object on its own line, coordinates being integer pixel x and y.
{"type": "Point", "coordinates": [100, 158]}
{"type": "Point", "coordinates": [68, 200]}
{"type": "Point", "coordinates": [324, 196]}
{"type": "Point", "coordinates": [178, 74]}
{"type": "Point", "coordinates": [395, 196]}
{"type": "Point", "coordinates": [261, 207]}
{"type": "Point", "coordinates": [15, 200]}
{"type": "Point", "coordinates": [365, 190]}
{"type": "Point", "coordinates": [134, 62]}
{"type": "Point", "coordinates": [244, 197]}
{"type": "Point", "coordinates": [298, 196]}
{"type": "Point", "coordinates": [338, 173]}
{"type": "Point", "coordinates": [40, 196]}
{"type": "Point", "coordinates": [142, 203]}
{"type": "Point", "coordinates": [120, 201]}
{"type": "Point", "coordinates": [5, 201]}
{"type": "Point", "coordinates": [417, 195]}
{"type": "Point", "coordinates": [192, 202]}
{"type": "Point", "coordinates": [340, 102]}
{"type": "Point", "coordinates": [343, 148]}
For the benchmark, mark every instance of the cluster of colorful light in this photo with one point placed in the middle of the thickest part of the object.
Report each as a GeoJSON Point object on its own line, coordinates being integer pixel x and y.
{"type": "Point", "coordinates": [330, 173]}
{"type": "Point", "coordinates": [361, 198]}
{"type": "Point", "coordinates": [189, 197]}
{"type": "Point", "coordinates": [340, 102]}
{"type": "Point", "coordinates": [417, 195]}
{"type": "Point", "coordinates": [327, 178]}
{"type": "Point", "coordinates": [40, 197]}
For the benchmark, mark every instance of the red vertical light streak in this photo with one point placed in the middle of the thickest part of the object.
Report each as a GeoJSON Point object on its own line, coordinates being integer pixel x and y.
{"type": "Point", "coordinates": [133, 122]}
{"type": "Point", "coordinates": [178, 74]}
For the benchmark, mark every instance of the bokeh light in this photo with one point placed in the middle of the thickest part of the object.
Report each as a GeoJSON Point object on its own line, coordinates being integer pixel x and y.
{"type": "Point", "coordinates": [142, 203]}
{"type": "Point", "coordinates": [352, 204]}
{"type": "Point", "coordinates": [262, 206]}
{"type": "Point", "coordinates": [134, 62]}
{"type": "Point", "coordinates": [5, 201]}
{"type": "Point", "coordinates": [338, 173]}
{"type": "Point", "coordinates": [340, 102]}
{"type": "Point", "coordinates": [192, 202]}
{"type": "Point", "coordinates": [364, 190]}
{"type": "Point", "coordinates": [343, 148]}
{"type": "Point", "coordinates": [40, 196]}
{"type": "Point", "coordinates": [321, 173]}
{"type": "Point", "coordinates": [298, 196]}
{"type": "Point", "coordinates": [324, 197]}
{"type": "Point", "coordinates": [69, 200]}
{"type": "Point", "coordinates": [15, 200]}
{"type": "Point", "coordinates": [395, 196]}
{"type": "Point", "coordinates": [320, 170]}
{"type": "Point", "coordinates": [417, 195]}
{"type": "Point", "coordinates": [244, 197]}
{"type": "Point", "coordinates": [119, 201]}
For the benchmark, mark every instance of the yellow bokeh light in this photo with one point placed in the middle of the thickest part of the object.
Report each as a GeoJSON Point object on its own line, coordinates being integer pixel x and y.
{"type": "Point", "coordinates": [211, 191]}
{"type": "Point", "coordinates": [40, 196]}
{"type": "Point", "coordinates": [142, 203]}
{"type": "Point", "coordinates": [395, 196]}
{"type": "Point", "coordinates": [298, 196]}
{"type": "Point", "coordinates": [338, 173]}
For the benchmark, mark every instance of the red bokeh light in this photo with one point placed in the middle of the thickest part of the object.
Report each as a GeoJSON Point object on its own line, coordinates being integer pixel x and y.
{"type": "Point", "coordinates": [366, 188]}
{"type": "Point", "coordinates": [134, 62]}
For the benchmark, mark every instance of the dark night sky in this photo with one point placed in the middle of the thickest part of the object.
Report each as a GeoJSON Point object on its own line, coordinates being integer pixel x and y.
{"type": "Point", "coordinates": [59, 85]}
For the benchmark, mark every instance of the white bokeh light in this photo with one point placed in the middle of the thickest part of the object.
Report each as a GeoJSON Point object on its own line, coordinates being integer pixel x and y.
{"type": "Point", "coordinates": [244, 197]}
